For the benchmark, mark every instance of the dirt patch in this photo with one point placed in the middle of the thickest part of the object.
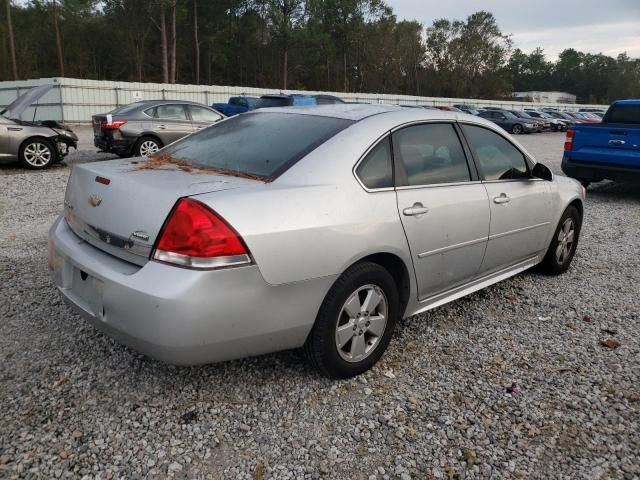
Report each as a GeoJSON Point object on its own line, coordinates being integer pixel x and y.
{"type": "Point", "coordinates": [165, 161]}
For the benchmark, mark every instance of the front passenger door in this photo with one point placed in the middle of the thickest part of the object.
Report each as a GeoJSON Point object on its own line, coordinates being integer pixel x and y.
{"type": "Point", "coordinates": [443, 208]}
{"type": "Point", "coordinates": [520, 204]}
{"type": "Point", "coordinates": [202, 117]}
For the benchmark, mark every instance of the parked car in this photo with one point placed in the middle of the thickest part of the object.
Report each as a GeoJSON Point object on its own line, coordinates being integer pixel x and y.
{"type": "Point", "coordinates": [538, 122]}
{"type": "Point", "coordinates": [236, 105]}
{"type": "Point", "coordinates": [556, 124]}
{"type": "Point", "coordinates": [35, 144]}
{"type": "Point", "coordinates": [578, 119]}
{"type": "Point", "coordinates": [592, 117]}
{"type": "Point", "coordinates": [564, 116]}
{"type": "Point", "coordinates": [142, 128]}
{"type": "Point", "coordinates": [448, 108]}
{"type": "Point", "coordinates": [606, 150]}
{"type": "Point", "coordinates": [305, 229]}
{"type": "Point", "coordinates": [269, 101]}
{"type": "Point", "coordinates": [598, 111]}
{"type": "Point", "coordinates": [553, 114]}
{"type": "Point", "coordinates": [470, 109]}
{"type": "Point", "coordinates": [509, 121]}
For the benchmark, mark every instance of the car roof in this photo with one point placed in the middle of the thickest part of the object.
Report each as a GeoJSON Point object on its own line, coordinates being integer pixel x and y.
{"type": "Point", "coordinates": [357, 112]}
{"type": "Point", "coordinates": [151, 103]}
{"type": "Point", "coordinates": [346, 111]}
{"type": "Point", "coordinates": [627, 102]}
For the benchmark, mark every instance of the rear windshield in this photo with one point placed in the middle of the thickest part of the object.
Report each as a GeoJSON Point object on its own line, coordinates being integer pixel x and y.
{"type": "Point", "coordinates": [623, 113]}
{"type": "Point", "coordinates": [126, 108]}
{"type": "Point", "coordinates": [260, 144]}
{"type": "Point", "coordinates": [267, 102]}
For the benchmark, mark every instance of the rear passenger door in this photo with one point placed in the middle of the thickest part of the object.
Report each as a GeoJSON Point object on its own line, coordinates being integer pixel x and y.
{"type": "Point", "coordinates": [443, 207]}
{"type": "Point", "coordinates": [171, 122]}
{"type": "Point", "coordinates": [520, 204]}
{"type": "Point", "coordinates": [202, 117]}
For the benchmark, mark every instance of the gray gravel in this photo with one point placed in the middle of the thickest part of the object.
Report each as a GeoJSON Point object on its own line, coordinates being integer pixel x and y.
{"type": "Point", "coordinates": [511, 382]}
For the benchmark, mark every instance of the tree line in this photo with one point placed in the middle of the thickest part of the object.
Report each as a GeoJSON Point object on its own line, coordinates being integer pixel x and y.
{"type": "Point", "coordinates": [332, 45]}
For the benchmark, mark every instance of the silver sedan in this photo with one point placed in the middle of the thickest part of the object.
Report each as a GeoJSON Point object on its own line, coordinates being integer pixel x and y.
{"type": "Point", "coordinates": [314, 227]}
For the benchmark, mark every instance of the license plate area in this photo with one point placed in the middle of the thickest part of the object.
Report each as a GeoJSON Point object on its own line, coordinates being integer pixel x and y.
{"type": "Point", "coordinates": [87, 291]}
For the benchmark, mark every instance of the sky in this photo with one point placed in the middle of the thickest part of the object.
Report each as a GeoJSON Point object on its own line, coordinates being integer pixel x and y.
{"type": "Point", "coordinates": [595, 26]}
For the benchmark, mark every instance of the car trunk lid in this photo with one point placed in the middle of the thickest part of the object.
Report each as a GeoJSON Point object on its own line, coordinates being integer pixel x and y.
{"type": "Point", "coordinates": [120, 206]}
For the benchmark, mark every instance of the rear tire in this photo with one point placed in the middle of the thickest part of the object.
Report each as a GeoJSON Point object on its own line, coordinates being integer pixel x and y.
{"type": "Point", "coordinates": [355, 322]}
{"type": "Point", "coordinates": [564, 243]}
{"type": "Point", "coordinates": [146, 146]}
{"type": "Point", "coordinates": [37, 154]}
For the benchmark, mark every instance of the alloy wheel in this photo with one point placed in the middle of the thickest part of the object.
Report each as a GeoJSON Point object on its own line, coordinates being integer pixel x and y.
{"type": "Point", "coordinates": [566, 238]}
{"type": "Point", "coordinates": [148, 147]}
{"type": "Point", "coordinates": [361, 323]}
{"type": "Point", "coordinates": [37, 154]}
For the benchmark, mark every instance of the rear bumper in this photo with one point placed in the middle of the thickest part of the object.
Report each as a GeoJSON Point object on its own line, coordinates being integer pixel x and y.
{"type": "Point", "coordinates": [178, 315]}
{"type": "Point", "coordinates": [122, 146]}
{"type": "Point", "coordinates": [598, 171]}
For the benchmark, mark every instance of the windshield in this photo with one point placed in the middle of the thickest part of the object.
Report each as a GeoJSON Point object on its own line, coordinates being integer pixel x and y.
{"type": "Point", "coordinates": [256, 144]}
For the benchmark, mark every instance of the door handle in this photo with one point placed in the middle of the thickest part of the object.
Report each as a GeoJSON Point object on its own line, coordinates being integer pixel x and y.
{"type": "Point", "coordinates": [417, 209]}
{"type": "Point", "coordinates": [502, 198]}
{"type": "Point", "coordinates": [616, 141]}
{"type": "Point", "coordinates": [162, 127]}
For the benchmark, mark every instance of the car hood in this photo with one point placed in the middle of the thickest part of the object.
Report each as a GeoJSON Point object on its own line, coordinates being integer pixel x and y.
{"type": "Point", "coordinates": [24, 101]}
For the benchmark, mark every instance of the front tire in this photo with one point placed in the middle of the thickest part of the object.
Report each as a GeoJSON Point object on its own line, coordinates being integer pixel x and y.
{"type": "Point", "coordinates": [564, 243]}
{"type": "Point", "coordinates": [355, 322]}
{"type": "Point", "coordinates": [516, 129]}
{"type": "Point", "coordinates": [37, 154]}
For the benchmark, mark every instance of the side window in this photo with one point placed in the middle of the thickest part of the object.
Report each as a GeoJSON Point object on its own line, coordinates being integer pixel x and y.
{"type": "Point", "coordinates": [172, 111]}
{"type": "Point", "coordinates": [243, 103]}
{"type": "Point", "coordinates": [376, 170]}
{"type": "Point", "coordinates": [498, 158]}
{"type": "Point", "coordinates": [150, 112]}
{"type": "Point", "coordinates": [199, 114]}
{"type": "Point", "coordinates": [431, 154]}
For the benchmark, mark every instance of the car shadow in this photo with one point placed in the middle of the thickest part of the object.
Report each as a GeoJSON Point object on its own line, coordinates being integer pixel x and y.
{"type": "Point", "coordinates": [612, 191]}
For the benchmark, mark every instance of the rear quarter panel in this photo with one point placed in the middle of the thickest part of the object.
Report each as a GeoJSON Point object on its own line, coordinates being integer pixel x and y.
{"type": "Point", "coordinates": [316, 220]}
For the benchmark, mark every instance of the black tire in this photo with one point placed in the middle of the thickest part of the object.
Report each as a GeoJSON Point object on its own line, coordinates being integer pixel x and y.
{"type": "Point", "coordinates": [321, 347]}
{"type": "Point", "coordinates": [517, 129]}
{"type": "Point", "coordinates": [37, 154]}
{"type": "Point", "coordinates": [553, 264]}
{"type": "Point", "coordinates": [140, 145]}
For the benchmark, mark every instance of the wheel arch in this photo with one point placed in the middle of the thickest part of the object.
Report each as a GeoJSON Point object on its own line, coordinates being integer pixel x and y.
{"type": "Point", "coordinates": [398, 270]}
{"type": "Point", "coordinates": [48, 140]}
{"type": "Point", "coordinates": [152, 135]}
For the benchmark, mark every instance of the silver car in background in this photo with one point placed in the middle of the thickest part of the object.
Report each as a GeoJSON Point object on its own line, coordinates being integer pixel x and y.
{"type": "Point", "coordinates": [315, 227]}
{"type": "Point", "coordinates": [142, 128]}
{"type": "Point", "coordinates": [36, 144]}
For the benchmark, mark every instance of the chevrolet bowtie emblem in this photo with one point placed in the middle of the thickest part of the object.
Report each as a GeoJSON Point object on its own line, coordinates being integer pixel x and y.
{"type": "Point", "coordinates": [94, 200]}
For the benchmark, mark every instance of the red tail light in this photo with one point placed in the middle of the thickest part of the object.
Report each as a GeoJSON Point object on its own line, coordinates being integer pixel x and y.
{"type": "Point", "coordinates": [114, 125]}
{"type": "Point", "coordinates": [194, 236]}
{"type": "Point", "coordinates": [568, 143]}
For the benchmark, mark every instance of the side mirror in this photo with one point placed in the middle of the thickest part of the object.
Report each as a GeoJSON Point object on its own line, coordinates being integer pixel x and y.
{"type": "Point", "coordinates": [540, 170]}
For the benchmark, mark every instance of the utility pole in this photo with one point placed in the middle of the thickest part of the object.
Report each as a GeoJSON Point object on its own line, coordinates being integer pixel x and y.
{"type": "Point", "coordinates": [12, 44]}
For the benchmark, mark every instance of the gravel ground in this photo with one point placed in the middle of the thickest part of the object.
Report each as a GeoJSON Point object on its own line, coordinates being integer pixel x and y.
{"type": "Point", "coordinates": [510, 382]}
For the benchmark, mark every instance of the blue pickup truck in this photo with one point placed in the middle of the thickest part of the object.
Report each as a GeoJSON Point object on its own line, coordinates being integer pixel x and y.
{"type": "Point", "coordinates": [236, 105]}
{"type": "Point", "coordinates": [608, 150]}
